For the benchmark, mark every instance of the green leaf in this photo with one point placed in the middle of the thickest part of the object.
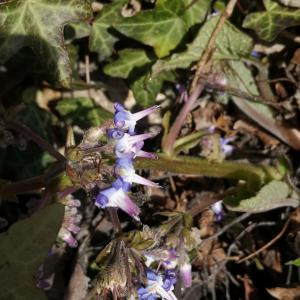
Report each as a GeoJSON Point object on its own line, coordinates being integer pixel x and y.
{"type": "Point", "coordinates": [270, 23]}
{"type": "Point", "coordinates": [195, 11]}
{"type": "Point", "coordinates": [101, 40]}
{"type": "Point", "coordinates": [189, 141]}
{"type": "Point", "coordinates": [128, 60]}
{"type": "Point", "coordinates": [23, 249]}
{"type": "Point", "coordinates": [162, 27]}
{"type": "Point", "coordinates": [146, 88]}
{"type": "Point", "coordinates": [82, 112]}
{"type": "Point", "coordinates": [231, 43]}
{"type": "Point", "coordinates": [39, 25]}
{"type": "Point", "coordinates": [272, 195]}
{"type": "Point", "coordinates": [295, 262]}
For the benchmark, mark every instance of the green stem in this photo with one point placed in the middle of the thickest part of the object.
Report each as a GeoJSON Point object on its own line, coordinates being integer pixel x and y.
{"type": "Point", "coordinates": [254, 174]}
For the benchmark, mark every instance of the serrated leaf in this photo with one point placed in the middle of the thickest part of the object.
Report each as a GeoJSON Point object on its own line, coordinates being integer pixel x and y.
{"type": "Point", "coordinates": [82, 112]}
{"type": "Point", "coordinates": [128, 60]}
{"type": "Point", "coordinates": [270, 23]}
{"type": "Point", "coordinates": [101, 40]}
{"type": "Point", "coordinates": [161, 27]}
{"type": "Point", "coordinates": [231, 43]}
{"type": "Point", "coordinates": [39, 25]}
{"type": "Point", "coordinates": [273, 195]}
{"type": "Point", "coordinates": [23, 249]}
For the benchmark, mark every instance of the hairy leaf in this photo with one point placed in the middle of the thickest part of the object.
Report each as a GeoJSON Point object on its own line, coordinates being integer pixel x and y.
{"type": "Point", "coordinates": [128, 60]}
{"type": "Point", "coordinates": [273, 195]}
{"type": "Point", "coordinates": [23, 249]}
{"type": "Point", "coordinates": [101, 40]}
{"type": "Point", "coordinates": [270, 23]}
{"type": "Point", "coordinates": [162, 27]}
{"type": "Point", "coordinates": [231, 43]}
{"type": "Point", "coordinates": [39, 25]}
{"type": "Point", "coordinates": [82, 112]}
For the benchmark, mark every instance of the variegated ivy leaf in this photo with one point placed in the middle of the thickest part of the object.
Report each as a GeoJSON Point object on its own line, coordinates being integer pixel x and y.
{"type": "Point", "coordinates": [231, 43]}
{"type": "Point", "coordinates": [39, 25]}
{"type": "Point", "coordinates": [101, 40]}
{"type": "Point", "coordinates": [270, 23]}
{"type": "Point", "coordinates": [164, 26]}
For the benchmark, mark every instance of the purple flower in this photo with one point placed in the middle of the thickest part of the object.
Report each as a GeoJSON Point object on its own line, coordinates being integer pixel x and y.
{"type": "Point", "coordinates": [124, 168]}
{"type": "Point", "coordinates": [70, 223]}
{"type": "Point", "coordinates": [129, 143]}
{"type": "Point", "coordinates": [137, 149]}
{"type": "Point", "coordinates": [157, 287]}
{"type": "Point", "coordinates": [125, 119]}
{"type": "Point", "coordinates": [127, 146]}
{"type": "Point", "coordinates": [225, 147]}
{"type": "Point", "coordinates": [218, 210]}
{"type": "Point", "coordinates": [186, 274]}
{"type": "Point", "coordinates": [112, 197]}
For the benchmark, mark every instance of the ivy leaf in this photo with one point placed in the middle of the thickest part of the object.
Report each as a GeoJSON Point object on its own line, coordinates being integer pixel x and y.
{"type": "Point", "coordinates": [273, 195]}
{"type": "Point", "coordinates": [162, 27]}
{"type": "Point", "coordinates": [146, 88]}
{"type": "Point", "coordinates": [195, 11]}
{"type": "Point", "coordinates": [270, 23]}
{"type": "Point", "coordinates": [23, 249]}
{"type": "Point", "coordinates": [39, 25]}
{"type": "Point", "coordinates": [101, 40]}
{"type": "Point", "coordinates": [128, 60]}
{"type": "Point", "coordinates": [82, 112]}
{"type": "Point", "coordinates": [231, 43]}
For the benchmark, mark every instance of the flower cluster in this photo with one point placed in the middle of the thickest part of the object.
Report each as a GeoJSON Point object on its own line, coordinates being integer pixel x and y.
{"type": "Point", "coordinates": [158, 286]}
{"type": "Point", "coordinates": [170, 259]}
{"type": "Point", "coordinates": [72, 218]}
{"type": "Point", "coordinates": [127, 146]}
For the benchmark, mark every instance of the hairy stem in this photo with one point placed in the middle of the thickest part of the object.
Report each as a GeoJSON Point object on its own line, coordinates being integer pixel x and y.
{"type": "Point", "coordinates": [255, 175]}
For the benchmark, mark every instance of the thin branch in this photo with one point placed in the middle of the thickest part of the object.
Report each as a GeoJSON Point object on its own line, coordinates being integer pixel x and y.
{"type": "Point", "coordinates": [43, 144]}
{"type": "Point", "coordinates": [175, 129]}
{"type": "Point", "coordinates": [206, 56]}
{"type": "Point", "coordinates": [198, 84]}
{"type": "Point", "coordinates": [270, 243]}
{"type": "Point", "coordinates": [229, 225]}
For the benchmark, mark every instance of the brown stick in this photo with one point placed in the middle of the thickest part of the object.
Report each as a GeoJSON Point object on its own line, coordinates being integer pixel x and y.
{"type": "Point", "coordinates": [203, 62]}
{"type": "Point", "coordinates": [270, 243]}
